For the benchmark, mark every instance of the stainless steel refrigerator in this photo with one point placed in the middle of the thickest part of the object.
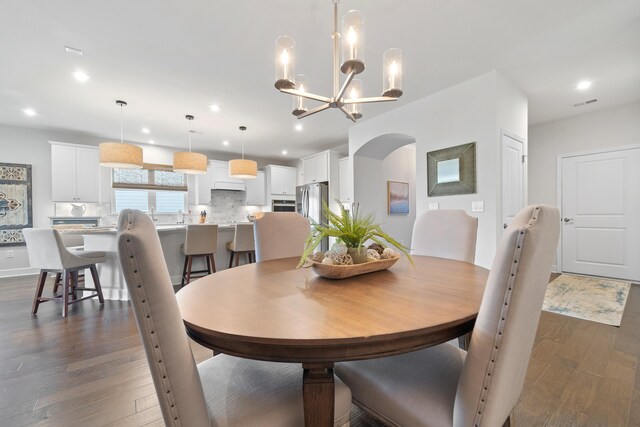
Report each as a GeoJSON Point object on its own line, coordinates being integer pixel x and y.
{"type": "Point", "coordinates": [309, 200]}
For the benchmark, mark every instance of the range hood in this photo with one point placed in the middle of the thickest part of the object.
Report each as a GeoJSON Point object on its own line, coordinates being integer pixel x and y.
{"type": "Point", "coordinates": [224, 185]}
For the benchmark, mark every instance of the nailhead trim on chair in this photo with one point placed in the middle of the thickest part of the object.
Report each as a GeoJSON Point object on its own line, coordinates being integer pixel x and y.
{"type": "Point", "coordinates": [149, 324]}
{"type": "Point", "coordinates": [497, 339]}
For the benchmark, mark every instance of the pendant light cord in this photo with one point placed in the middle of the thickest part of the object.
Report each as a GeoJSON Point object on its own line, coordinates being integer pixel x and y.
{"type": "Point", "coordinates": [121, 125]}
{"type": "Point", "coordinates": [243, 129]}
{"type": "Point", "coordinates": [189, 131]}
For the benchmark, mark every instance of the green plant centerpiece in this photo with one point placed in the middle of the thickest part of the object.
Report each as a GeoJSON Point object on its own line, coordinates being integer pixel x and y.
{"type": "Point", "coordinates": [352, 232]}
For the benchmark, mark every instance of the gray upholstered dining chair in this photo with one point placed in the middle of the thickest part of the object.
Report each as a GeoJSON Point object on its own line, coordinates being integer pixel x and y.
{"type": "Point", "coordinates": [446, 386]}
{"type": "Point", "coordinates": [48, 253]}
{"type": "Point", "coordinates": [221, 391]}
{"type": "Point", "coordinates": [445, 234]}
{"type": "Point", "coordinates": [201, 241]}
{"type": "Point", "coordinates": [280, 235]}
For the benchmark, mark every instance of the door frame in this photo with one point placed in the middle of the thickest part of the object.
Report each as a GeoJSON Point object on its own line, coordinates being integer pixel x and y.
{"type": "Point", "coordinates": [525, 175]}
{"type": "Point", "coordinates": [561, 157]}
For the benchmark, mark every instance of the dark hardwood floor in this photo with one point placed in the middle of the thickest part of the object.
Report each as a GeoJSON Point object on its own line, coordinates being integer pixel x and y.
{"type": "Point", "coordinates": [89, 369]}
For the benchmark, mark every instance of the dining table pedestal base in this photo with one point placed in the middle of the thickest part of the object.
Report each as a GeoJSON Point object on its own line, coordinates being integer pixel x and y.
{"type": "Point", "coordinates": [318, 394]}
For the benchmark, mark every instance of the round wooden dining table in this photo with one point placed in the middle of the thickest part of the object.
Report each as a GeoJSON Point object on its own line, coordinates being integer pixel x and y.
{"type": "Point", "coordinates": [273, 311]}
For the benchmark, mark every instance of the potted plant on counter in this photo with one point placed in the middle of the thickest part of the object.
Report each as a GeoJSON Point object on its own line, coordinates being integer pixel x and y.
{"type": "Point", "coordinates": [352, 232]}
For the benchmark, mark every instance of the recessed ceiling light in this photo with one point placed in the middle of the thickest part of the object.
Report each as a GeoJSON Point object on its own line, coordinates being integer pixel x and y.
{"type": "Point", "coordinates": [214, 107]}
{"type": "Point", "coordinates": [151, 141]}
{"type": "Point", "coordinates": [80, 76]}
{"type": "Point", "coordinates": [583, 85]}
{"type": "Point", "coordinates": [299, 127]}
{"type": "Point", "coordinates": [145, 130]}
{"type": "Point", "coordinates": [30, 112]}
{"type": "Point", "coordinates": [225, 143]}
{"type": "Point", "coordinates": [73, 50]}
{"type": "Point", "coordinates": [284, 152]}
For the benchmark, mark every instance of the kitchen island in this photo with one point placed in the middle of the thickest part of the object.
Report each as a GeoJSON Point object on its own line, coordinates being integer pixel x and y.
{"type": "Point", "coordinates": [171, 238]}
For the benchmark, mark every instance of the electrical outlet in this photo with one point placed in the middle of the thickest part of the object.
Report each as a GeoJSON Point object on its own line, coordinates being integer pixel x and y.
{"type": "Point", "coordinates": [434, 206]}
{"type": "Point", "coordinates": [9, 254]}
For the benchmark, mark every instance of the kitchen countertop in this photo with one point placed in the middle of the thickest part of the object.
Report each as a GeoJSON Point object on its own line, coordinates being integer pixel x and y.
{"type": "Point", "coordinates": [159, 227]}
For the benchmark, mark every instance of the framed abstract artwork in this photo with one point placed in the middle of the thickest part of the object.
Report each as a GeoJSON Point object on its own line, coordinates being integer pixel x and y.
{"type": "Point", "coordinates": [452, 170]}
{"type": "Point", "coordinates": [397, 197]}
{"type": "Point", "coordinates": [15, 203]}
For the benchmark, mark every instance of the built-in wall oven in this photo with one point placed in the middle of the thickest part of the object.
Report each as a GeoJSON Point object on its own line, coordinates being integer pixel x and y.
{"type": "Point", "coordinates": [283, 206]}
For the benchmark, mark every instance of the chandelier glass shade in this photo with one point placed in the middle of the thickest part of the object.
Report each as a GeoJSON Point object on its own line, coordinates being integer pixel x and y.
{"type": "Point", "coordinates": [343, 98]}
{"type": "Point", "coordinates": [188, 162]}
{"type": "Point", "coordinates": [118, 154]}
{"type": "Point", "coordinates": [243, 168]}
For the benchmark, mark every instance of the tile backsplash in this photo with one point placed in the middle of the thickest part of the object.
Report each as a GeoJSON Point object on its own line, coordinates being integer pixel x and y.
{"type": "Point", "coordinates": [226, 206]}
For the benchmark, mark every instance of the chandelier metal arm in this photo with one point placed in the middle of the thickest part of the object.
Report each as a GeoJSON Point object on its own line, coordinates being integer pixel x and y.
{"type": "Point", "coordinates": [369, 99]}
{"type": "Point", "coordinates": [345, 85]}
{"type": "Point", "coordinates": [348, 114]}
{"type": "Point", "coordinates": [306, 95]}
{"type": "Point", "coordinates": [314, 110]}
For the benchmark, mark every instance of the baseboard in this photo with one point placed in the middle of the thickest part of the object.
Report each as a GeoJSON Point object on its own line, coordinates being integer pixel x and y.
{"type": "Point", "coordinates": [15, 272]}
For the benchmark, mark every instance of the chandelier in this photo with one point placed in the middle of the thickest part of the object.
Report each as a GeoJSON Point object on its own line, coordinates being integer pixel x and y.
{"type": "Point", "coordinates": [348, 96]}
{"type": "Point", "coordinates": [118, 154]}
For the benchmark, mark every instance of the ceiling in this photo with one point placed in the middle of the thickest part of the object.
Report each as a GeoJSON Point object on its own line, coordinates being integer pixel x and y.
{"type": "Point", "coordinates": [168, 59]}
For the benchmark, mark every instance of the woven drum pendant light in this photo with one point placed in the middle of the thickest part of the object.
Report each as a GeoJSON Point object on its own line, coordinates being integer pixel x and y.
{"type": "Point", "coordinates": [243, 168]}
{"type": "Point", "coordinates": [188, 162]}
{"type": "Point", "coordinates": [118, 154]}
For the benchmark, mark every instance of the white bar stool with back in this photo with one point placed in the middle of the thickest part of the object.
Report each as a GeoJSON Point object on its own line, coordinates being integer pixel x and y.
{"type": "Point", "coordinates": [201, 241]}
{"type": "Point", "coordinates": [243, 243]}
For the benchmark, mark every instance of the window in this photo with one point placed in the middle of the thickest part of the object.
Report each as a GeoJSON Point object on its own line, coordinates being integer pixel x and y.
{"type": "Point", "coordinates": [154, 187]}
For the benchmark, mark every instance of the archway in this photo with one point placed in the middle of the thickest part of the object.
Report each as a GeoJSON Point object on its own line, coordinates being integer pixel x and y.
{"type": "Point", "coordinates": [389, 157]}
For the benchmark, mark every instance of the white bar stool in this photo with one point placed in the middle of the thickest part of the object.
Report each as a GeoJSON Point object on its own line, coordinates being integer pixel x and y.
{"type": "Point", "coordinates": [201, 241]}
{"type": "Point", "coordinates": [48, 253]}
{"type": "Point", "coordinates": [242, 243]}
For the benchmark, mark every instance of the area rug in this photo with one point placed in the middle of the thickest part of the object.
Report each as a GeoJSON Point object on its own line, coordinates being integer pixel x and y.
{"type": "Point", "coordinates": [590, 298]}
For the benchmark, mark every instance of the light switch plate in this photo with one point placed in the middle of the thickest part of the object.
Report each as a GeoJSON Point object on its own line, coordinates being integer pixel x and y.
{"type": "Point", "coordinates": [9, 254]}
{"type": "Point", "coordinates": [434, 206]}
{"type": "Point", "coordinates": [477, 206]}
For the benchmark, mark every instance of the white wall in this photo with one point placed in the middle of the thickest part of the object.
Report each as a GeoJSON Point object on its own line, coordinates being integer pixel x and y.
{"type": "Point", "coordinates": [475, 110]}
{"type": "Point", "coordinates": [371, 176]}
{"type": "Point", "coordinates": [611, 128]}
{"type": "Point", "coordinates": [31, 146]}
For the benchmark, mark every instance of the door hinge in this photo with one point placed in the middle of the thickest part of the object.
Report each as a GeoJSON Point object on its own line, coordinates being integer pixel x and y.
{"type": "Point", "coordinates": [524, 156]}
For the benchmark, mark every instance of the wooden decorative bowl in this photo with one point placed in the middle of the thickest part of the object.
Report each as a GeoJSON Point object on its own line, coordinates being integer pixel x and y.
{"type": "Point", "coordinates": [344, 271]}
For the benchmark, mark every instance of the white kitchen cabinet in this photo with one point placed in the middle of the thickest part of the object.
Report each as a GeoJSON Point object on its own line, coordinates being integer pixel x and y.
{"type": "Point", "coordinates": [221, 178]}
{"type": "Point", "coordinates": [315, 168]}
{"type": "Point", "coordinates": [346, 181]}
{"type": "Point", "coordinates": [75, 173]}
{"type": "Point", "coordinates": [200, 187]}
{"type": "Point", "coordinates": [281, 180]}
{"type": "Point", "coordinates": [256, 190]}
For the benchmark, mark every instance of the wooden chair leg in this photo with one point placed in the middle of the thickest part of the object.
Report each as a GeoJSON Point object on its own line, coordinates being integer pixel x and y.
{"type": "Point", "coordinates": [237, 257]}
{"type": "Point", "coordinates": [39, 287]}
{"type": "Point", "coordinates": [96, 282]}
{"type": "Point", "coordinates": [66, 278]}
{"type": "Point", "coordinates": [56, 283]}
{"type": "Point", "coordinates": [213, 263]}
{"type": "Point", "coordinates": [184, 271]}
{"type": "Point", "coordinates": [74, 285]}
{"type": "Point", "coordinates": [189, 262]}
{"type": "Point", "coordinates": [231, 259]}
{"type": "Point", "coordinates": [208, 261]}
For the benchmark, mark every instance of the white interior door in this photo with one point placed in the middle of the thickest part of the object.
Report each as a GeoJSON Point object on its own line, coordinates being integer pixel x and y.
{"type": "Point", "coordinates": [600, 196]}
{"type": "Point", "coordinates": [512, 178]}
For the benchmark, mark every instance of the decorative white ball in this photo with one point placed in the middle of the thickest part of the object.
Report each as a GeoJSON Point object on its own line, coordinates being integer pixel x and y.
{"type": "Point", "coordinates": [339, 248]}
{"type": "Point", "coordinates": [387, 253]}
{"type": "Point", "coordinates": [328, 261]}
{"type": "Point", "coordinates": [372, 253]}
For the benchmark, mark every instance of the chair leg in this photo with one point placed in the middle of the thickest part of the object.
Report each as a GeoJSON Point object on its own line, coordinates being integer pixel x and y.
{"type": "Point", "coordinates": [237, 257]}
{"type": "Point", "coordinates": [509, 421]}
{"type": "Point", "coordinates": [189, 262]}
{"type": "Point", "coordinates": [213, 263]}
{"type": "Point", "coordinates": [231, 259]}
{"type": "Point", "coordinates": [248, 257]}
{"type": "Point", "coordinates": [66, 278]}
{"type": "Point", "coordinates": [184, 270]}
{"type": "Point", "coordinates": [74, 285]}
{"type": "Point", "coordinates": [56, 283]}
{"type": "Point", "coordinates": [208, 262]}
{"type": "Point", "coordinates": [39, 287]}
{"type": "Point", "coordinates": [96, 282]}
